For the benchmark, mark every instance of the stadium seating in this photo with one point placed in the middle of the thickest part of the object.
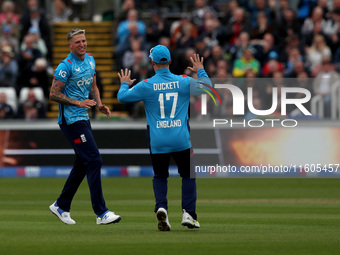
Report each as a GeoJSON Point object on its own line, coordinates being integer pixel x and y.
{"type": "Point", "coordinates": [11, 97]}
{"type": "Point", "coordinates": [38, 92]}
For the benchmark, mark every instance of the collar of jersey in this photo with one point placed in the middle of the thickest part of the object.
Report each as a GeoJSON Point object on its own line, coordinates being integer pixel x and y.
{"type": "Point", "coordinates": [76, 58]}
{"type": "Point", "coordinates": [163, 70]}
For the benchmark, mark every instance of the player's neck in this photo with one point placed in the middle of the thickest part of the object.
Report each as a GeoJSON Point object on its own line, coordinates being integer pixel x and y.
{"type": "Point", "coordinates": [81, 57]}
{"type": "Point", "coordinates": [157, 67]}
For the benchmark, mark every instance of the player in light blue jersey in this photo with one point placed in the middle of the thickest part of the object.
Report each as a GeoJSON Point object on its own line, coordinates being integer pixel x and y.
{"type": "Point", "coordinates": [74, 87]}
{"type": "Point", "coordinates": [166, 99]}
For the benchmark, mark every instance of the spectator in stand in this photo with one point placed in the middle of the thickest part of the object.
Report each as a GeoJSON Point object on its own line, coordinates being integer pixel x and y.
{"type": "Point", "coordinates": [236, 24]}
{"type": "Point", "coordinates": [213, 33]}
{"type": "Point", "coordinates": [31, 108]}
{"type": "Point", "coordinates": [229, 12]}
{"type": "Point", "coordinates": [199, 12]}
{"type": "Point", "coordinates": [247, 61]}
{"type": "Point", "coordinates": [36, 17]}
{"type": "Point", "coordinates": [304, 9]}
{"type": "Point", "coordinates": [35, 76]}
{"type": "Point", "coordinates": [241, 43]}
{"type": "Point", "coordinates": [129, 58]}
{"type": "Point", "coordinates": [126, 7]}
{"type": "Point", "coordinates": [8, 35]}
{"type": "Point", "coordinates": [279, 10]}
{"type": "Point", "coordinates": [324, 6]}
{"type": "Point", "coordinates": [177, 30]}
{"type": "Point", "coordinates": [28, 57]}
{"type": "Point", "coordinates": [201, 47]}
{"type": "Point", "coordinates": [317, 51]}
{"type": "Point", "coordinates": [288, 25]}
{"type": "Point", "coordinates": [299, 67]}
{"type": "Point", "coordinates": [259, 6]}
{"type": "Point", "coordinates": [8, 17]}
{"type": "Point", "coordinates": [294, 56]}
{"type": "Point", "coordinates": [317, 17]}
{"type": "Point", "coordinates": [291, 42]}
{"type": "Point", "coordinates": [262, 27]}
{"type": "Point", "coordinates": [336, 4]}
{"type": "Point", "coordinates": [323, 83]}
{"type": "Point", "coordinates": [211, 69]}
{"type": "Point", "coordinates": [156, 28]}
{"type": "Point", "coordinates": [265, 46]}
{"type": "Point", "coordinates": [6, 111]}
{"type": "Point", "coordinates": [126, 45]}
{"type": "Point", "coordinates": [332, 31]}
{"type": "Point", "coordinates": [38, 43]}
{"type": "Point", "coordinates": [8, 68]}
{"type": "Point", "coordinates": [166, 41]}
{"type": "Point", "coordinates": [222, 70]}
{"type": "Point", "coordinates": [308, 38]}
{"type": "Point", "coordinates": [186, 40]}
{"type": "Point", "coordinates": [272, 65]}
{"type": "Point", "coordinates": [217, 53]}
{"type": "Point", "coordinates": [61, 11]}
{"type": "Point", "coordinates": [124, 31]}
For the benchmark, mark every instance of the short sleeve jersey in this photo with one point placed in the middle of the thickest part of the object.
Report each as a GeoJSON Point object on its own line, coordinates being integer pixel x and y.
{"type": "Point", "coordinates": [166, 99]}
{"type": "Point", "coordinates": [78, 76]}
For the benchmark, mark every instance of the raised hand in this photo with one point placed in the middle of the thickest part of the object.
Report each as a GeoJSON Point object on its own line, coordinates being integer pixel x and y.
{"type": "Point", "coordinates": [197, 63]}
{"type": "Point", "coordinates": [124, 76]}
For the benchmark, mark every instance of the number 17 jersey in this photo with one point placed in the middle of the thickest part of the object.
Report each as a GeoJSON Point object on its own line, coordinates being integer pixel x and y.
{"type": "Point", "coordinates": [166, 98]}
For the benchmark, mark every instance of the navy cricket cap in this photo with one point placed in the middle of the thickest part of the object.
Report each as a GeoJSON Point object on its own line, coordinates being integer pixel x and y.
{"type": "Point", "coordinates": [160, 54]}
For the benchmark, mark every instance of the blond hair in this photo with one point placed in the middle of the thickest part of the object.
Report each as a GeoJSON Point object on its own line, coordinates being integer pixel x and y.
{"type": "Point", "coordinates": [73, 32]}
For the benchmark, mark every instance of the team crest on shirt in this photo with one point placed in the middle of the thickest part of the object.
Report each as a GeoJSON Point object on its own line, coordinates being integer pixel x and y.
{"type": "Point", "coordinates": [78, 69]}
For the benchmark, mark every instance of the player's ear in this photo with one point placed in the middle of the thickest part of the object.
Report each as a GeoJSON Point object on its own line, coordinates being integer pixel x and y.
{"type": "Point", "coordinates": [170, 61]}
{"type": "Point", "coordinates": [69, 45]}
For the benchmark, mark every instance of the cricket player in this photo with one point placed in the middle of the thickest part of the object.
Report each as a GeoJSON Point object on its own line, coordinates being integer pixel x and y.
{"type": "Point", "coordinates": [74, 87]}
{"type": "Point", "coordinates": [166, 98]}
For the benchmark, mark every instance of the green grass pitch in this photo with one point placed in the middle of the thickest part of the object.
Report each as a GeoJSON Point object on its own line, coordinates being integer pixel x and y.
{"type": "Point", "coordinates": [237, 216]}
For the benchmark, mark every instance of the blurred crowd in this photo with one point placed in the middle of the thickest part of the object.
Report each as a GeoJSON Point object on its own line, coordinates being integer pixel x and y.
{"type": "Point", "coordinates": [271, 39]}
{"type": "Point", "coordinates": [240, 39]}
{"type": "Point", "coordinates": [25, 57]}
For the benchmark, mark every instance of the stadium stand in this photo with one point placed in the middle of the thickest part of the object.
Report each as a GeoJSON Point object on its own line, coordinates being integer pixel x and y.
{"type": "Point", "coordinates": [12, 99]}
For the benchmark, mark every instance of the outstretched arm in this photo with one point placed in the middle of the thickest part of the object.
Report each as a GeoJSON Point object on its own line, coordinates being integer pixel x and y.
{"type": "Point", "coordinates": [203, 84]}
{"type": "Point", "coordinates": [126, 94]}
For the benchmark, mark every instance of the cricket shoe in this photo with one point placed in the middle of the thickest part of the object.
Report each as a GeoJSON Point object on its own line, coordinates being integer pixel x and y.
{"type": "Point", "coordinates": [163, 220]}
{"type": "Point", "coordinates": [189, 221]}
{"type": "Point", "coordinates": [108, 217]}
{"type": "Point", "coordinates": [61, 214]}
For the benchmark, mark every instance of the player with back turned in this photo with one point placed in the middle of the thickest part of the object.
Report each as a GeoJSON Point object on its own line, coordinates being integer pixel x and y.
{"type": "Point", "coordinates": [74, 87]}
{"type": "Point", "coordinates": [166, 99]}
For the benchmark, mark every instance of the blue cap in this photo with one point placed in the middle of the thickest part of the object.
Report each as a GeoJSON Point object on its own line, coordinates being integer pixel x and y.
{"type": "Point", "coordinates": [160, 54]}
{"type": "Point", "coordinates": [273, 54]}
